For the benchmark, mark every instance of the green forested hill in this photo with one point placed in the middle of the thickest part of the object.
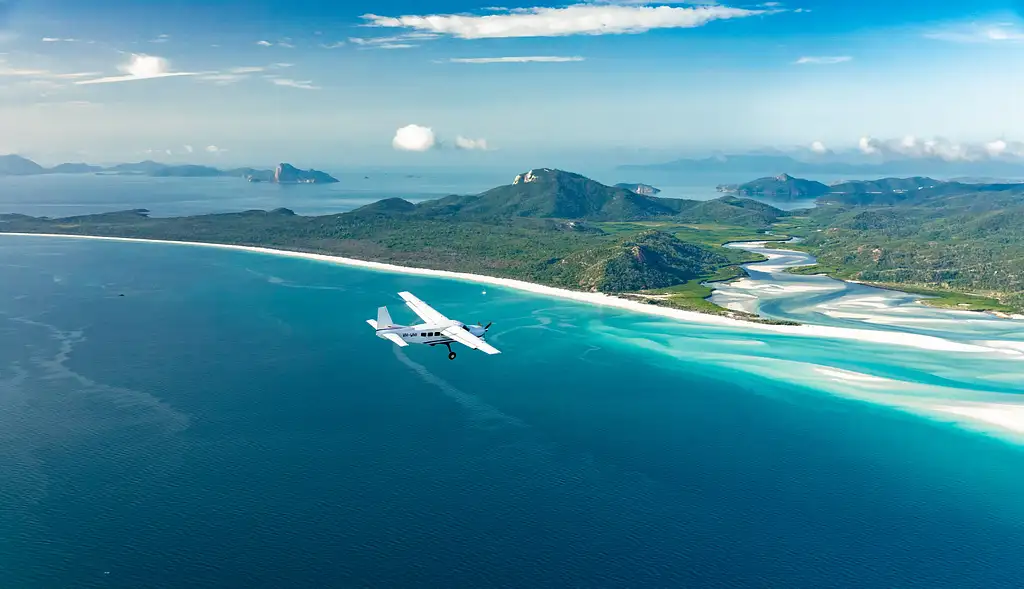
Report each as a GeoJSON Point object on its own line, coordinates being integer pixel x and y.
{"type": "Point", "coordinates": [962, 238]}
{"type": "Point", "coordinates": [549, 193]}
{"type": "Point", "coordinates": [782, 188]}
{"type": "Point", "coordinates": [566, 230]}
{"type": "Point", "coordinates": [569, 254]}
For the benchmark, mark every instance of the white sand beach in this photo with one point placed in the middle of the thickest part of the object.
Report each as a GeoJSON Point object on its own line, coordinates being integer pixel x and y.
{"type": "Point", "coordinates": [924, 342]}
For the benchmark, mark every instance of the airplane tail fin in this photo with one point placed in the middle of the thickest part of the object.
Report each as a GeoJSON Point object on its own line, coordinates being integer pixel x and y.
{"type": "Point", "coordinates": [384, 318]}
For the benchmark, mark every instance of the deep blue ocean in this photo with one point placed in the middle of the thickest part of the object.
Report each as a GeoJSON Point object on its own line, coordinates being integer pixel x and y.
{"type": "Point", "coordinates": [231, 421]}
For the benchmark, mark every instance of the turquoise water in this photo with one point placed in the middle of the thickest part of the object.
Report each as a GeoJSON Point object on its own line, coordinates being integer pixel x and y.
{"type": "Point", "coordinates": [232, 421]}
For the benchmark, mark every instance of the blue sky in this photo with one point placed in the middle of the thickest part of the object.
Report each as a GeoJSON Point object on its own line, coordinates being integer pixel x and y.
{"type": "Point", "coordinates": [331, 82]}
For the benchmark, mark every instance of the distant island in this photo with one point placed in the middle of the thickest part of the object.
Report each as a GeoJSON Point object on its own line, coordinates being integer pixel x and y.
{"type": "Point", "coordinates": [960, 244]}
{"type": "Point", "coordinates": [639, 188]}
{"type": "Point", "coordinates": [15, 165]}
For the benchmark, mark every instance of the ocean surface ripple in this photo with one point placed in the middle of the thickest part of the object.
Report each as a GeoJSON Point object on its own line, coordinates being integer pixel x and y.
{"type": "Point", "coordinates": [191, 417]}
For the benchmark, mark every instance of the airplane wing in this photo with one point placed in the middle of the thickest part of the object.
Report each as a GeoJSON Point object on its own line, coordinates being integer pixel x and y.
{"type": "Point", "coordinates": [468, 339]}
{"type": "Point", "coordinates": [427, 313]}
{"type": "Point", "coordinates": [397, 340]}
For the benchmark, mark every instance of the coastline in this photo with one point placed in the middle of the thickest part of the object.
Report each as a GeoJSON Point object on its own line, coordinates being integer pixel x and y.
{"type": "Point", "coordinates": [924, 342]}
{"type": "Point", "coordinates": [924, 300]}
{"type": "Point", "coordinates": [985, 417]}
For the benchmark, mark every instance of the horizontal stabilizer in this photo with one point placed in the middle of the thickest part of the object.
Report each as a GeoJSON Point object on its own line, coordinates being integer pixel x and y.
{"type": "Point", "coordinates": [396, 339]}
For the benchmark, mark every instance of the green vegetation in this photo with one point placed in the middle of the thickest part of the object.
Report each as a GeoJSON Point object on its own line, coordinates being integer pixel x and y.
{"type": "Point", "coordinates": [550, 227]}
{"type": "Point", "coordinates": [783, 188]}
{"type": "Point", "coordinates": [949, 299]}
{"type": "Point", "coordinates": [962, 245]}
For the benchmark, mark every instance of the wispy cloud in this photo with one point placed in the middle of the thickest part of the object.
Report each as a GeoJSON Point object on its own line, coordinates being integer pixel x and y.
{"type": "Point", "coordinates": [516, 59]}
{"type": "Point", "coordinates": [66, 104]}
{"type": "Point", "coordinates": [394, 42]}
{"type": "Point", "coordinates": [977, 32]}
{"type": "Point", "coordinates": [470, 144]}
{"type": "Point", "coordinates": [141, 67]}
{"type": "Point", "coordinates": [231, 75]}
{"type": "Point", "coordinates": [7, 70]}
{"type": "Point", "coordinates": [334, 45]}
{"type": "Point", "coordinates": [289, 83]}
{"type": "Point", "coordinates": [823, 60]}
{"type": "Point", "coordinates": [214, 149]}
{"type": "Point", "coordinates": [161, 39]}
{"type": "Point", "coordinates": [251, 69]}
{"type": "Point", "coordinates": [286, 43]}
{"type": "Point", "coordinates": [940, 148]}
{"type": "Point", "coordinates": [58, 40]}
{"type": "Point", "coordinates": [577, 19]}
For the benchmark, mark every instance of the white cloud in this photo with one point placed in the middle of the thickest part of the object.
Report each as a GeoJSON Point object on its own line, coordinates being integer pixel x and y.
{"type": "Point", "coordinates": [161, 39]}
{"type": "Point", "coordinates": [141, 67]}
{"type": "Point", "coordinates": [246, 69]}
{"type": "Point", "coordinates": [996, 148]}
{"type": "Point", "coordinates": [214, 149]}
{"type": "Point", "coordinates": [470, 144]}
{"type": "Point", "coordinates": [869, 145]}
{"type": "Point", "coordinates": [188, 148]}
{"type": "Point", "coordinates": [264, 43]}
{"type": "Point", "coordinates": [57, 40]}
{"type": "Point", "coordinates": [823, 60]}
{"type": "Point", "coordinates": [941, 148]}
{"type": "Point", "coordinates": [395, 42]}
{"type": "Point", "coordinates": [577, 19]}
{"type": "Point", "coordinates": [334, 45]}
{"type": "Point", "coordinates": [304, 84]}
{"type": "Point", "coordinates": [819, 147]}
{"type": "Point", "coordinates": [975, 32]}
{"type": "Point", "coordinates": [7, 70]}
{"type": "Point", "coordinates": [414, 138]}
{"type": "Point", "coordinates": [223, 79]}
{"type": "Point", "coordinates": [516, 59]}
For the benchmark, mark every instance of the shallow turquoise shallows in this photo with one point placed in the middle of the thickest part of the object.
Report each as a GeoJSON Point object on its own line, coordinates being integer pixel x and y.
{"type": "Point", "coordinates": [231, 421]}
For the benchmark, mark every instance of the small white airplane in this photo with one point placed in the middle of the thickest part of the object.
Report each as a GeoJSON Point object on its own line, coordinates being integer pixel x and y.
{"type": "Point", "coordinates": [435, 329]}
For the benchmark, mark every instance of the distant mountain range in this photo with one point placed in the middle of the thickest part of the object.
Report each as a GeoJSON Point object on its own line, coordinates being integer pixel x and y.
{"type": "Point", "coordinates": [15, 165]}
{"type": "Point", "coordinates": [547, 193]}
{"type": "Point", "coordinates": [885, 191]}
{"type": "Point", "coordinates": [778, 164]}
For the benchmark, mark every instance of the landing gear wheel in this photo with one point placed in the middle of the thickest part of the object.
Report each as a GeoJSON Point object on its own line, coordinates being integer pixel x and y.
{"type": "Point", "coordinates": [451, 355]}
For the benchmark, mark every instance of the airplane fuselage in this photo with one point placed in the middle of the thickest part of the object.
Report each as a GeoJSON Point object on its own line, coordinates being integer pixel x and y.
{"type": "Point", "coordinates": [427, 334]}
